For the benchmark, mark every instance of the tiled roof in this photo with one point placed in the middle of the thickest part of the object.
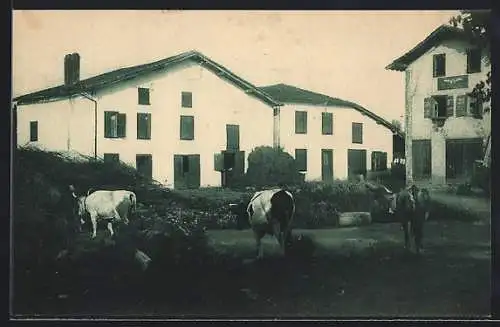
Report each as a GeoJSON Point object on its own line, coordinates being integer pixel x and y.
{"type": "Point", "coordinates": [108, 79]}
{"type": "Point", "coordinates": [291, 94]}
{"type": "Point", "coordinates": [442, 33]}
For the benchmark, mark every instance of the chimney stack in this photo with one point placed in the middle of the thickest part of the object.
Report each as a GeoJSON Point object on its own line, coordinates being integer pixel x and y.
{"type": "Point", "coordinates": [71, 69]}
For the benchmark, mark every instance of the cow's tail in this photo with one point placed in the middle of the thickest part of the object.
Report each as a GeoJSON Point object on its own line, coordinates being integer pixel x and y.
{"type": "Point", "coordinates": [90, 191]}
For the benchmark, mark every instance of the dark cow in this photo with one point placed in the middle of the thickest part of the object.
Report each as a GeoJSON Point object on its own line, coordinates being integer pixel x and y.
{"type": "Point", "coordinates": [410, 207]}
{"type": "Point", "coordinates": [270, 212]}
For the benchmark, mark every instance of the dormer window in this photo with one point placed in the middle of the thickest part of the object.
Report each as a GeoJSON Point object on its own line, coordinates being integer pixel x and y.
{"type": "Point", "coordinates": [439, 65]}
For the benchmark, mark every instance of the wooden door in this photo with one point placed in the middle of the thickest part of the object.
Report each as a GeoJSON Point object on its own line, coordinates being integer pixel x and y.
{"type": "Point", "coordinates": [327, 165]}
{"type": "Point", "coordinates": [356, 163]}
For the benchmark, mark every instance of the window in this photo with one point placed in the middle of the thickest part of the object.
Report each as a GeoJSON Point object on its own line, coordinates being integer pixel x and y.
{"type": "Point", "coordinates": [327, 123]}
{"type": "Point", "coordinates": [475, 107]}
{"type": "Point", "coordinates": [187, 99]}
{"type": "Point", "coordinates": [187, 128]}
{"type": "Point", "coordinates": [357, 133]}
{"type": "Point", "coordinates": [33, 131]}
{"type": "Point", "coordinates": [301, 159]}
{"type": "Point", "coordinates": [300, 122]}
{"type": "Point", "coordinates": [473, 61]}
{"type": "Point", "coordinates": [440, 103]}
{"type": "Point", "coordinates": [111, 157]}
{"type": "Point", "coordinates": [114, 124]}
{"type": "Point", "coordinates": [143, 126]}
{"type": "Point", "coordinates": [439, 65]}
{"type": "Point", "coordinates": [379, 161]}
{"type": "Point", "coordinates": [143, 96]}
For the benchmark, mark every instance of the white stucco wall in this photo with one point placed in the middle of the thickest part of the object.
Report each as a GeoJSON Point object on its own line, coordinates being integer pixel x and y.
{"type": "Point", "coordinates": [375, 137]}
{"type": "Point", "coordinates": [423, 84]}
{"type": "Point", "coordinates": [216, 103]}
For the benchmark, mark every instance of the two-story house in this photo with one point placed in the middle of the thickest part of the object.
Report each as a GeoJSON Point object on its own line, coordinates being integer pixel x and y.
{"type": "Point", "coordinates": [445, 128]}
{"type": "Point", "coordinates": [331, 138]}
{"type": "Point", "coordinates": [169, 118]}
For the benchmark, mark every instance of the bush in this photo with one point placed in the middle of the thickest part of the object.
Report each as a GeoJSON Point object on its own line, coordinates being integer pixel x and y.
{"type": "Point", "coordinates": [318, 204]}
{"type": "Point", "coordinates": [52, 257]}
{"type": "Point", "coordinates": [269, 166]}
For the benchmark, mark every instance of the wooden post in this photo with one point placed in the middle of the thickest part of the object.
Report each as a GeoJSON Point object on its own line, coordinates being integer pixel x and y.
{"type": "Point", "coordinates": [408, 127]}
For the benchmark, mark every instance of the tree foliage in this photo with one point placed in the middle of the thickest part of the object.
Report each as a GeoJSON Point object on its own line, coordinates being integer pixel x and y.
{"type": "Point", "coordinates": [271, 166]}
{"type": "Point", "coordinates": [476, 25]}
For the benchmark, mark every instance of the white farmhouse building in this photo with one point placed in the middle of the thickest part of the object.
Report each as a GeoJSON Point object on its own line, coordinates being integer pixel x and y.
{"type": "Point", "coordinates": [446, 130]}
{"type": "Point", "coordinates": [329, 137]}
{"type": "Point", "coordinates": [185, 119]}
{"type": "Point", "coordinates": [169, 118]}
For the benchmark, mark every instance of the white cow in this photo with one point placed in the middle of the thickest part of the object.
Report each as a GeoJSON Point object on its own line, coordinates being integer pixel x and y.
{"type": "Point", "coordinates": [114, 206]}
{"type": "Point", "coordinates": [271, 212]}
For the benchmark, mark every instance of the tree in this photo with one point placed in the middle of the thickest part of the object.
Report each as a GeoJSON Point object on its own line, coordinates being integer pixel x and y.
{"type": "Point", "coordinates": [476, 25]}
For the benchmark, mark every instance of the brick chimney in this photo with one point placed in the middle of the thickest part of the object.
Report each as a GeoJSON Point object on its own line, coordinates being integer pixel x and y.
{"type": "Point", "coordinates": [71, 69]}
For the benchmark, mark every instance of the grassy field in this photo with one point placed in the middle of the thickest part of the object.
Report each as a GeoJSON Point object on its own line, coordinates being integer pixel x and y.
{"type": "Point", "coordinates": [353, 272]}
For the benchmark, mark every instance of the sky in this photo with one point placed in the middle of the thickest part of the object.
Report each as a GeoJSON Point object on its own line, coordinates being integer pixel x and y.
{"type": "Point", "coordinates": [339, 53]}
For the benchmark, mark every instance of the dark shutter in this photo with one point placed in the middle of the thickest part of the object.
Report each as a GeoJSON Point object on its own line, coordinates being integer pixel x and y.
{"type": "Point", "coordinates": [218, 161]}
{"type": "Point", "coordinates": [473, 61]}
{"type": "Point", "coordinates": [301, 159]}
{"type": "Point", "coordinates": [428, 107]}
{"type": "Point", "coordinates": [187, 99]}
{"type": "Point", "coordinates": [108, 123]}
{"type": "Point", "coordinates": [357, 133]}
{"type": "Point", "coordinates": [301, 122]}
{"type": "Point", "coordinates": [449, 106]}
{"type": "Point", "coordinates": [439, 65]}
{"type": "Point", "coordinates": [194, 171]}
{"type": "Point", "coordinates": [233, 137]}
{"type": "Point", "coordinates": [121, 125]}
{"type": "Point", "coordinates": [144, 164]}
{"type": "Point", "coordinates": [187, 128]}
{"type": "Point", "coordinates": [327, 123]}
{"type": "Point", "coordinates": [461, 109]}
{"type": "Point", "coordinates": [239, 163]}
{"type": "Point", "coordinates": [33, 131]}
{"type": "Point", "coordinates": [143, 96]}
{"type": "Point", "coordinates": [179, 181]}
{"type": "Point", "coordinates": [144, 126]}
{"type": "Point", "coordinates": [384, 161]}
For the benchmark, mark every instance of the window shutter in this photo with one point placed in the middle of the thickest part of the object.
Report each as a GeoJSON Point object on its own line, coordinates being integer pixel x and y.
{"type": "Point", "coordinates": [218, 161]}
{"type": "Point", "coordinates": [143, 94]}
{"type": "Point", "coordinates": [301, 159]}
{"type": "Point", "coordinates": [428, 107]}
{"type": "Point", "coordinates": [233, 137]}
{"type": "Point", "coordinates": [187, 128]}
{"type": "Point", "coordinates": [449, 106]}
{"type": "Point", "coordinates": [187, 99]}
{"type": "Point", "coordinates": [357, 133]}
{"type": "Point", "coordinates": [461, 109]}
{"type": "Point", "coordinates": [121, 125]}
{"type": "Point", "coordinates": [144, 126]}
{"type": "Point", "coordinates": [107, 123]}
{"type": "Point", "coordinates": [300, 122]}
{"type": "Point", "coordinates": [327, 123]}
{"type": "Point", "coordinates": [33, 131]}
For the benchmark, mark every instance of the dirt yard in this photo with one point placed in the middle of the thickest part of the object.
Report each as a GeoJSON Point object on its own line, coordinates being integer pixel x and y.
{"type": "Point", "coordinates": [353, 272]}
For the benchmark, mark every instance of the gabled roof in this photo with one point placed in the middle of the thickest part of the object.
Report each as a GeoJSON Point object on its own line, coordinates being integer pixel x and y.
{"type": "Point", "coordinates": [114, 77]}
{"type": "Point", "coordinates": [442, 33]}
{"type": "Point", "coordinates": [285, 93]}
